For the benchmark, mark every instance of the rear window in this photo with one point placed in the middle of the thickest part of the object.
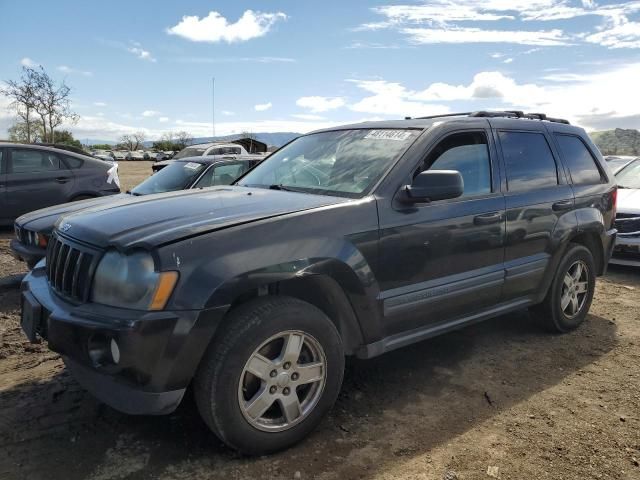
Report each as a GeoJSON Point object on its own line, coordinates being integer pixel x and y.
{"type": "Point", "coordinates": [528, 160]}
{"type": "Point", "coordinates": [189, 152]}
{"type": "Point", "coordinates": [582, 166]}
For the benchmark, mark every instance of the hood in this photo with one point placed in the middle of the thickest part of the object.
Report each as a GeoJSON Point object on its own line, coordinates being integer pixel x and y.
{"type": "Point", "coordinates": [44, 219]}
{"type": "Point", "coordinates": [629, 200]}
{"type": "Point", "coordinates": [153, 220]}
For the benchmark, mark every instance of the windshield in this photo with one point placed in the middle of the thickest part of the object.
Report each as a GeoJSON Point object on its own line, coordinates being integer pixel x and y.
{"type": "Point", "coordinates": [190, 152]}
{"type": "Point", "coordinates": [175, 176]}
{"type": "Point", "coordinates": [629, 176]}
{"type": "Point", "coordinates": [344, 163]}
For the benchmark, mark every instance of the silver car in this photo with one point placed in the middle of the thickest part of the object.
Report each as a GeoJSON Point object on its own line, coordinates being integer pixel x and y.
{"type": "Point", "coordinates": [627, 249]}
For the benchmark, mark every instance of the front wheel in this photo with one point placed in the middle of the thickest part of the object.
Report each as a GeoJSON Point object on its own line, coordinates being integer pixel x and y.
{"type": "Point", "coordinates": [268, 380]}
{"type": "Point", "coordinates": [567, 303]}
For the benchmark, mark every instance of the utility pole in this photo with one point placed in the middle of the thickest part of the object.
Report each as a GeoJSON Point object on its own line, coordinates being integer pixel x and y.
{"type": "Point", "coordinates": [213, 106]}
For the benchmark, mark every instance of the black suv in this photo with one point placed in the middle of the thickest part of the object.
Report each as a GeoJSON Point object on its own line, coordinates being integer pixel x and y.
{"type": "Point", "coordinates": [355, 240]}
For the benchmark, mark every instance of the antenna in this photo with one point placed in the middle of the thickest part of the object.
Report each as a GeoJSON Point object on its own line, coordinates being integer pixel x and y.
{"type": "Point", "coordinates": [213, 107]}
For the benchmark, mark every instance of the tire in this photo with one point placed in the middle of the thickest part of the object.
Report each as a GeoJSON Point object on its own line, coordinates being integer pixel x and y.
{"type": "Point", "coordinates": [550, 313]}
{"type": "Point", "coordinates": [225, 385]}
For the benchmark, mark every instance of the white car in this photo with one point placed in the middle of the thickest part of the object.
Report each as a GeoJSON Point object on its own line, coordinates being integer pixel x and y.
{"type": "Point", "coordinates": [208, 149]}
{"type": "Point", "coordinates": [136, 155]}
{"type": "Point", "coordinates": [120, 154]}
{"type": "Point", "coordinates": [627, 248]}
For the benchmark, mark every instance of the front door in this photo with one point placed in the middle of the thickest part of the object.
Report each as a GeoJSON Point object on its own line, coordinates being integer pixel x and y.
{"type": "Point", "coordinates": [444, 259]}
{"type": "Point", "coordinates": [36, 178]}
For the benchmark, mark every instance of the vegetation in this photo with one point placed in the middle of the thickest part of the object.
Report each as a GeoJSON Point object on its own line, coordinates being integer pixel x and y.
{"type": "Point", "coordinates": [41, 105]}
{"type": "Point", "coordinates": [131, 142]}
{"type": "Point", "coordinates": [102, 146]}
{"type": "Point", "coordinates": [618, 142]}
{"type": "Point", "coordinates": [173, 141]}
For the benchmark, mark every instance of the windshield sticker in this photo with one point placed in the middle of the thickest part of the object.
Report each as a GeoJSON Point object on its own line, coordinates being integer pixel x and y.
{"type": "Point", "coordinates": [398, 135]}
{"type": "Point", "coordinates": [192, 166]}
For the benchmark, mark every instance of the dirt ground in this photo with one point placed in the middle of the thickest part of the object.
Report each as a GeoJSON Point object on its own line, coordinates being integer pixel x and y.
{"type": "Point", "coordinates": [500, 399]}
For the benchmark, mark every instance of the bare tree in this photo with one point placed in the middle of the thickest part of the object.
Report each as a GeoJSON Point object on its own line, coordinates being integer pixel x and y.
{"type": "Point", "coordinates": [127, 142]}
{"type": "Point", "coordinates": [24, 98]}
{"type": "Point", "coordinates": [139, 138]}
{"type": "Point", "coordinates": [53, 104]}
{"type": "Point", "coordinates": [183, 139]}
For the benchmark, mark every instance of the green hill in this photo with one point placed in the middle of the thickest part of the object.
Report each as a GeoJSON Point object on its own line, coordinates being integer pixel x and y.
{"type": "Point", "coordinates": [618, 142]}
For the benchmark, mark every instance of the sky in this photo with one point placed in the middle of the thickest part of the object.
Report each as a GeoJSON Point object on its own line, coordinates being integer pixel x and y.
{"type": "Point", "coordinates": [290, 65]}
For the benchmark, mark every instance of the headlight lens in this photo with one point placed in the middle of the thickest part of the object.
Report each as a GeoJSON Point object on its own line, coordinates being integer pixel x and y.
{"type": "Point", "coordinates": [130, 281]}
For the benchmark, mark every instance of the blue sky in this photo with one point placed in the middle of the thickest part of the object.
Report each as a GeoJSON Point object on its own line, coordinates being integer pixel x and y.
{"type": "Point", "coordinates": [288, 65]}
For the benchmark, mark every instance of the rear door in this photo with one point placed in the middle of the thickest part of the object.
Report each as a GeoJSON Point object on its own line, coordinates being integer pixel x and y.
{"type": "Point", "coordinates": [538, 201]}
{"type": "Point", "coordinates": [36, 178]}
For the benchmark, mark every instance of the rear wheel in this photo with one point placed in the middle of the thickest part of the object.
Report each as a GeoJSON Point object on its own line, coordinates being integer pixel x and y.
{"type": "Point", "coordinates": [273, 374]}
{"type": "Point", "coordinates": [569, 298]}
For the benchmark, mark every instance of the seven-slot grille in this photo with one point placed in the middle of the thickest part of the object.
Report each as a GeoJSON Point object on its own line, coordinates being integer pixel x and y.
{"type": "Point", "coordinates": [627, 223]}
{"type": "Point", "coordinates": [69, 268]}
{"type": "Point", "coordinates": [28, 237]}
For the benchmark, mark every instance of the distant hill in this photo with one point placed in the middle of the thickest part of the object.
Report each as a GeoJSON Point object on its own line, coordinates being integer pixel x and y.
{"type": "Point", "coordinates": [618, 142]}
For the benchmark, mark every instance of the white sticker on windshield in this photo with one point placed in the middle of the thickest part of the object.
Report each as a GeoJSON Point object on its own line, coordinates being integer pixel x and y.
{"type": "Point", "coordinates": [192, 165]}
{"type": "Point", "coordinates": [398, 135]}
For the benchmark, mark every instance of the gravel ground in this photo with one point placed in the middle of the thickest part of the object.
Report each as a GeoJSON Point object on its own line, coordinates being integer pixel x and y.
{"type": "Point", "coordinates": [500, 399]}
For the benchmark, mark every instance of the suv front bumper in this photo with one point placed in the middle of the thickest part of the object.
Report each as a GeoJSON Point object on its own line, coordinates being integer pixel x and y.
{"type": "Point", "coordinates": [626, 251]}
{"type": "Point", "coordinates": [157, 352]}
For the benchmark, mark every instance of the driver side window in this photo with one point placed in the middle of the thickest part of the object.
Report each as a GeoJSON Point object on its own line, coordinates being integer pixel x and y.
{"type": "Point", "coordinates": [468, 153]}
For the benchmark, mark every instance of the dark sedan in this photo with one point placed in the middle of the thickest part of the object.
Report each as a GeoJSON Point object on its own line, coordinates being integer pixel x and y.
{"type": "Point", "coordinates": [34, 177]}
{"type": "Point", "coordinates": [33, 229]}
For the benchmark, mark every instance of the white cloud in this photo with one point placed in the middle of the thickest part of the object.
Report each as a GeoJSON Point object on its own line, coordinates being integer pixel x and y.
{"type": "Point", "coordinates": [464, 21]}
{"type": "Point", "coordinates": [624, 35]}
{"type": "Point", "coordinates": [141, 53]}
{"type": "Point", "coordinates": [163, 119]}
{"type": "Point", "coordinates": [228, 113]}
{"type": "Point", "coordinates": [392, 99]}
{"type": "Point", "coordinates": [306, 116]}
{"type": "Point", "coordinates": [508, 60]}
{"type": "Point", "coordinates": [262, 107]}
{"type": "Point", "coordinates": [150, 113]}
{"type": "Point", "coordinates": [236, 60]}
{"type": "Point", "coordinates": [477, 35]}
{"type": "Point", "coordinates": [320, 104]}
{"type": "Point", "coordinates": [99, 104]}
{"type": "Point", "coordinates": [215, 28]}
{"type": "Point", "coordinates": [70, 71]}
{"type": "Point", "coordinates": [27, 62]}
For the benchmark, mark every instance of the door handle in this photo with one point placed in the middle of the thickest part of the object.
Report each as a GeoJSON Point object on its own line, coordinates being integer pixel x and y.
{"type": "Point", "coordinates": [62, 179]}
{"type": "Point", "coordinates": [563, 205]}
{"type": "Point", "coordinates": [487, 218]}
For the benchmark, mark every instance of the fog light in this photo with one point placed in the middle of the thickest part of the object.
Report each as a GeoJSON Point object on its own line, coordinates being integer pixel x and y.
{"type": "Point", "coordinates": [115, 351]}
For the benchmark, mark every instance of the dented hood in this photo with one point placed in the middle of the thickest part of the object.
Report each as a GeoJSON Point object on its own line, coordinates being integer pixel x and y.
{"type": "Point", "coordinates": [154, 220]}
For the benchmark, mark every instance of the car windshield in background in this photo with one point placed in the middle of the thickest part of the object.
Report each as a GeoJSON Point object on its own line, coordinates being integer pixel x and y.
{"type": "Point", "coordinates": [175, 176]}
{"type": "Point", "coordinates": [629, 176]}
{"type": "Point", "coordinates": [189, 152]}
{"type": "Point", "coordinates": [344, 163]}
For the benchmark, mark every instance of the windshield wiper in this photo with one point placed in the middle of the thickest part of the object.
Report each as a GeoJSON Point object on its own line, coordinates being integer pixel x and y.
{"type": "Point", "coordinates": [279, 186]}
{"type": "Point", "coordinates": [129, 192]}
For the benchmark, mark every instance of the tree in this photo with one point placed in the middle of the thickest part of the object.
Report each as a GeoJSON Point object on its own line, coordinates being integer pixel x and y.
{"type": "Point", "coordinates": [102, 146]}
{"type": "Point", "coordinates": [24, 98]}
{"type": "Point", "coordinates": [53, 103]}
{"type": "Point", "coordinates": [126, 142]}
{"type": "Point", "coordinates": [183, 139]}
{"type": "Point", "coordinates": [21, 132]}
{"type": "Point", "coordinates": [65, 137]}
{"type": "Point", "coordinates": [139, 138]}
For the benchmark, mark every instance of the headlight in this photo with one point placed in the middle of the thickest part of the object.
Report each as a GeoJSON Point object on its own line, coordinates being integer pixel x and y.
{"type": "Point", "coordinates": [131, 281]}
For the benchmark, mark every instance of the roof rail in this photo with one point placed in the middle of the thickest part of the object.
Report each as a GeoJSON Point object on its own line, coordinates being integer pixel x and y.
{"type": "Point", "coordinates": [463, 114]}
{"type": "Point", "coordinates": [518, 114]}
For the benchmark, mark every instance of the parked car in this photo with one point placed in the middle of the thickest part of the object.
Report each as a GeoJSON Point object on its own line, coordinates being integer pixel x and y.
{"type": "Point", "coordinates": [135, 155]}
{"type": "Point", "coordinates": [33, 177]}
{"type": "Point", "coordinates": [120, 154]}
{"type": "Point", "coordinates": [355, 240]}
{"type": "Point", "coordinates": [211, 149]}
{"type": "Point", "coordinates": [160, 156]}
{"type": "Point", "coordinates": [33, 230]}
{"type": "Point", "coordinates": [618, 163]}
{"type": "Point", "coordinates": [627, 249]}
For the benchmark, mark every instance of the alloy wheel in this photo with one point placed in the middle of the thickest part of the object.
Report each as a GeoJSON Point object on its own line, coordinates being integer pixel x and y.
{"type": "Point", "coordinates": [575, 289]}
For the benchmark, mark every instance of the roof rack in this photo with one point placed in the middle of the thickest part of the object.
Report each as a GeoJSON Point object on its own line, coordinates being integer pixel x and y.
{"type": "Point", "coordinates": [497, 114]}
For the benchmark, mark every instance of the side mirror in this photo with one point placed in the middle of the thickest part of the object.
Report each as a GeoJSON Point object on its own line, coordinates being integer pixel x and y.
{"type": "Point", "coordinates": [433, 185]}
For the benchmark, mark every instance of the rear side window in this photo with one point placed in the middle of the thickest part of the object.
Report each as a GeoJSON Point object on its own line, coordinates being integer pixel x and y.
{"type": "Point", "coordinates": [579, 160]}
{"type": "Point", "coordinates": [223, 174]}
{"type": "Point", "coordinates": [528, 160]}
{"type": "Point", "coordinates": [73, 162]}
{"type": "Point", "coordinates": [26, 161]}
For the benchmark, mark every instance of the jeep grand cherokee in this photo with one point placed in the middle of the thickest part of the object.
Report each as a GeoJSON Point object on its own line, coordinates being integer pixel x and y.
{"type": "Point", "coordinates": [355, 240]}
